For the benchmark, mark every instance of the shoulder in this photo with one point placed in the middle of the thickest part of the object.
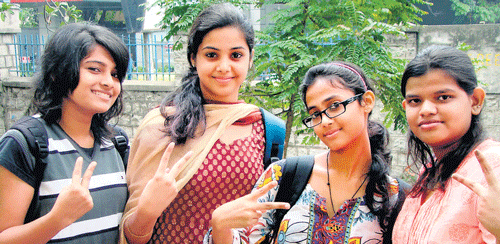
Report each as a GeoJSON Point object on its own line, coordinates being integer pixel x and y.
{"type": "Point", "coordinates": [491, 151]}
{"type": "Point", "coordinates": [153, 121]}
{"type": "Point", "coordinates": [14, 157]}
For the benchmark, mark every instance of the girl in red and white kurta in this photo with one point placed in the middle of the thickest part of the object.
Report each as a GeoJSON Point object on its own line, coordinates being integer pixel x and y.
{"type": "Point", "coordinates": [443, 104]}
{"type": "Point", "coordinates": [203, 147]}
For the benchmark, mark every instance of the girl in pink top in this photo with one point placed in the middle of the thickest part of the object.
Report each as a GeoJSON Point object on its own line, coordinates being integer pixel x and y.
{"type": "Point", "coordinates": [443, 104]}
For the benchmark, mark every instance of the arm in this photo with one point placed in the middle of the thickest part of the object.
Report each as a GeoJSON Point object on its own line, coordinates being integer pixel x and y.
{"type": "Point", "coordinates": [138, 226]}
{"type": "Point", "coordinates": [72, 203]}
{"type": "Point", "coordinates": [250, 211]}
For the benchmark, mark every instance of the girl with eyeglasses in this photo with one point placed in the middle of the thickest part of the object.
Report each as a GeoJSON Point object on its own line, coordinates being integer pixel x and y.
{"type": "Point", "coordinates": [350, 197]}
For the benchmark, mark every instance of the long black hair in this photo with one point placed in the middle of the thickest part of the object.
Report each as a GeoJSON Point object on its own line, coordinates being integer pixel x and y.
{"type": "Point", "coordinates": [458, 65]}
{"type": "Point", "coordinates": [353, 78]}
{"type": "Point", "coordinates": [60, 71]}
{"type": "Point", "coordinates": [188, 99]}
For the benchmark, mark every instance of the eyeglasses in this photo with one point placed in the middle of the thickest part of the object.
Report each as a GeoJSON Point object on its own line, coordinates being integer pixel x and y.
{"type": "Point", "coordinates": [331, 112]}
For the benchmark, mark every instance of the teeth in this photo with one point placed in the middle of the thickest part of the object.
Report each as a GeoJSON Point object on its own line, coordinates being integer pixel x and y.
{"type": "Point", "coordinates": [101, 94]}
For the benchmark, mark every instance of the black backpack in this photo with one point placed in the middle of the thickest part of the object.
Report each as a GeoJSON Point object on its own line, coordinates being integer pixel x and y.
{"type": "Point", "coordinates": [296, 174]}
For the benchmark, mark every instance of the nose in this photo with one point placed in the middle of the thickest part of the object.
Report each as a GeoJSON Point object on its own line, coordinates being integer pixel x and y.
{"type": "Point", "coordinates": [428, 108]}
{"type": "Point", "coordinates": [224, 65]}
{"type": "Point", "coordinates": [107, 80]}
{"type": "Point", "coordinates": [325, 120]}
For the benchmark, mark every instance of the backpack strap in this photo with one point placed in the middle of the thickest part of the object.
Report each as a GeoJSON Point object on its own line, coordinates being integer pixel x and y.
{"type": "Point", "coordinates": [274, 133]}
{"type": "Point", "coordinates": [121, 142]}
{"type": "Point", "coordinates": [37, 141]}
{"type": "Point", "coordinates": [35, 134]}
{"type": "Point", "coordinates": [296, 174]}
{"type": "Point", "coordinates": [404, 189]}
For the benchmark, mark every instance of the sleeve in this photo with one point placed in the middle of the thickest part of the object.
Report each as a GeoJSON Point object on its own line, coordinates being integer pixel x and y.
{"type": "Point", "coordinates": [13, 158]}
{"type": "Point", "coordinates": [257, 233]}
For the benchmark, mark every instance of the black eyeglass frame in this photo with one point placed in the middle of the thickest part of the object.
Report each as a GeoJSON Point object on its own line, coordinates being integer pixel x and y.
{"type": "Point", "coordinates": [343, 103]}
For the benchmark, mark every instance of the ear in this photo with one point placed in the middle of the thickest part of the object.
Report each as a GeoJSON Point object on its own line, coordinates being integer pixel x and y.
{"type": "Point", "coordinates": [477, 98]}
{"type": "Point", "coordinates": [193, 60]}
{"type": "Point", "coordinates": [251, 59]}
{"type": "Point", "coordinates": [368, 101]}
{"type": "Point", "coordinates": [404, 104]}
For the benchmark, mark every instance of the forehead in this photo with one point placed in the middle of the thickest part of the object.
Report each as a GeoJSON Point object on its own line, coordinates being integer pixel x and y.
{"type": "Point", "coordinates": [433, 81]}
{"type": "Point", "coordinates": [228, 37]}
{"type": "Point", "coordinates": [325, 89]}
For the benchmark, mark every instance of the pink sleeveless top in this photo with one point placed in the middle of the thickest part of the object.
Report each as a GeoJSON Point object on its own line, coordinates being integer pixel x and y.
{"type": "Point", "coordinates": [228, 172]}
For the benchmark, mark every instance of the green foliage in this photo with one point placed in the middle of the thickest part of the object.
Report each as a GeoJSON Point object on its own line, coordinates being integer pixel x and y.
{"type": "Point", "coordinates": [68, 13]}
{"type": "Point", "coordinates": [477, 11]}
{"type": "Point", "coordinates": [179, 15]}
{"type": "Point", "coordinates": [28, 18]}
{"type": "Point", "coordinates": [5, 9]}
{"type": "Point", "coordinates": [308, 33]}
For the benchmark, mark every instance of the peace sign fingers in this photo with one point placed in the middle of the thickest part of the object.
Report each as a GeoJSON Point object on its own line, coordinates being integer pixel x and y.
{"type": "Point", "coordinates": [262, 191]}
{"type": "Point", "coordinates": [487, 170]}
{"type": "Point", "coordinates": [476, 187]}
{"type": "Point", "coordinates": [77, 177]}
{"type": "Point", "coordinates": [164, 159]}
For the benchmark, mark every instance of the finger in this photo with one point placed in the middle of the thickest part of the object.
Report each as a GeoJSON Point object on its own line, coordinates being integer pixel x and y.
{"type": "Point", "coordinates": [474, 186]}
{"type": "Point", "coordinates": [77, 171]}
{"type": "Point", "coordinates": [487, 170]}
{"type": "Point", "coordinates": [262, 191]}
{"type": "Point", "coordinates": [273, 205]}
{"type": "Point", "coordinates": [164, 158]}
{"type": "Point", "coordinates": [177, 168]}
{"type": "Point", "coordinates": [88, 174]}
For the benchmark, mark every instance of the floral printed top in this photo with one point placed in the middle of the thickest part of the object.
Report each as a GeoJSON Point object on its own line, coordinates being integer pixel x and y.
{"type": "Point", "coordinates": [308, 221]}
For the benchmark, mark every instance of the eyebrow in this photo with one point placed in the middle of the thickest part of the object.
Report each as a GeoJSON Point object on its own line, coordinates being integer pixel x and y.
{"type": "Point", "coordinates": [328, 99]}
{"type": "Point", "coordinates": [94, 61]}
{"type": "Point", "coordinates": [446, 90]}
{"type": "Point", "coordinates": [214, 48]}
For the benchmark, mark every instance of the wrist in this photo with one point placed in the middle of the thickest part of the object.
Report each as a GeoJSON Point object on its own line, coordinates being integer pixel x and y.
{"type": "Point", "coordinates": [134, 237]}
{"type": "Point", "coordinates": [58, 221]}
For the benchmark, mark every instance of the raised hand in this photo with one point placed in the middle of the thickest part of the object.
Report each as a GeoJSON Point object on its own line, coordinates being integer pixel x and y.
{"type": "Point", "coordinates": [75, 200]}
{"type": "Point", "coordinates": [160, 191]}
{"type": "Point", "coordinates": [489, 197]}
{"type": "Point", "coordinates": [244, 211]}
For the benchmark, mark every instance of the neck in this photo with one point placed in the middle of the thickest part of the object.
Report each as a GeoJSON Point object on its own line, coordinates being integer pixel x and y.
{"type": "Point", "coordinates": [441, 151]}
{"type": "Point", "coordinates": [352, 162]}
{"type": "Point", "coordinates": [77, 126]}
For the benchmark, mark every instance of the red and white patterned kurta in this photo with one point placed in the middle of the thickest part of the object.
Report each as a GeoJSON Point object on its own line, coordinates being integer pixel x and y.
{"type": "Point", "coordinates": [228, 172]}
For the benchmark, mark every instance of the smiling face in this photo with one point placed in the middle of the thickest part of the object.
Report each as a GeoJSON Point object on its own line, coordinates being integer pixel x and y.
{"type": "Point", "coordinates": [438, 110]}
{"type": "Point", "coordinates": [222, 63]}
{"type": "Point", "coordinates": [349, 128]}
{"type": "Point", "coordinates": [98, 85]}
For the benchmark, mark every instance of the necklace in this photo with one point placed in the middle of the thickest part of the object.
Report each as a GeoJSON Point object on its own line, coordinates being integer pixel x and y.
{"type": "Point", "coordinates": [330, 188]}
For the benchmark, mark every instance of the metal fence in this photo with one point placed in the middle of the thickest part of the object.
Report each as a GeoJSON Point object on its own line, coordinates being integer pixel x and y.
{"type": "Point", "coordinates": [151, 57]}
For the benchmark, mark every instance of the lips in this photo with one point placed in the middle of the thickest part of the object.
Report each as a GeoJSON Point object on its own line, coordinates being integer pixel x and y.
{"type": "Point", "coordinates": [223, 79]}
{"type": "Point", "coordinates": [429, 123]}
{"type": "Point", "coordinates": [105, 95]}
{"type": "Point", "coordinates": [331, 133]}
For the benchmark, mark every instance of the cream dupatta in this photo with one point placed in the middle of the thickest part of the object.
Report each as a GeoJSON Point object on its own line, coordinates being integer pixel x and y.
{"type": "Point", "coordinates": [150, 142]}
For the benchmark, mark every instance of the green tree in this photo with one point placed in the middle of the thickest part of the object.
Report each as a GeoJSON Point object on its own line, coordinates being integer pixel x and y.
{"type": "Point", "coordinates": [477, 11]}
{"type": "Point", "coordinates": [5, 9]}
{"type": "Point", "coordinates": [179, 15]}
{"type": "Point", "coordinates": [309, 32]}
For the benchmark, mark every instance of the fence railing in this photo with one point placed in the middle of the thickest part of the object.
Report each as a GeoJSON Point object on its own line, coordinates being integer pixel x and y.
{"type": "Point", "coordinates": [151, 58]}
